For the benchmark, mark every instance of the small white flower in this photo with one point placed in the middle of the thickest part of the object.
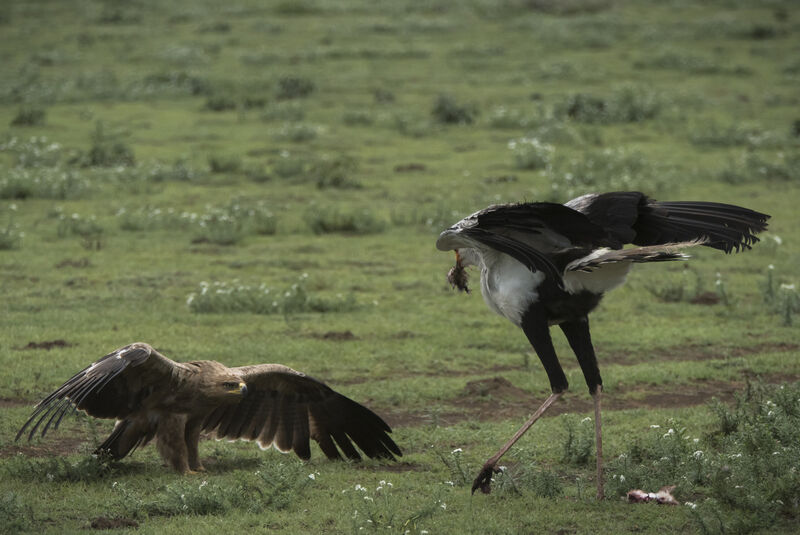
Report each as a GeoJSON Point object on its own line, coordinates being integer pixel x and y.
{"type": "Point", "coordinates": [312, 476]}
{"type": "Point", "coordinates": [587, 419]}
{"type": "Point", "coordinates": [622, 479]}
{"type": "Point", "coordinates": [443, 505]}
{"type": "Point", "coordinates": [457, 450]}
{"type": "Point", "coordinates": [698, 454]}
{"type": "Point", "coordinates": [691, 505]}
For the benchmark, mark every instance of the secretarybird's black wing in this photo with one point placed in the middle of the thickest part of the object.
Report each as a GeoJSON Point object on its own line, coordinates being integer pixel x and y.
{"type": "Point", "coordinates": [532, 232]}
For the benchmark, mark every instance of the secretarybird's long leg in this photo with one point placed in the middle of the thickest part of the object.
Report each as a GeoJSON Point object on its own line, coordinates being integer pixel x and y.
{"type": "Point", "coordinates": [538, 333]}
{"type": "Point", "coordinates": [577, 333]}
{"type": "Point", "coordinates": [484, 479]}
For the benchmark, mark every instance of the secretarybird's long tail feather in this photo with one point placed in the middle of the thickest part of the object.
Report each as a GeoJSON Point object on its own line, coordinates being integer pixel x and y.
{"type": "Point", "coordinates": [722, 226]}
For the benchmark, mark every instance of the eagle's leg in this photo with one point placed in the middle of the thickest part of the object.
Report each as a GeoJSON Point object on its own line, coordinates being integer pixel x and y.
{"type": "Point", "coordinates": [192, 439]}
{"type": "Point", "coordinates": [577, 333]}
{"type": "Point", "coordinates": [171, 443]}
{"type": "Point", "coordinates": [538, 332]}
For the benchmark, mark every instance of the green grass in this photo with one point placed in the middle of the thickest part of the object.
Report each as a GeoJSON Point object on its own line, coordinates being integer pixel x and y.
{"type": "Point", "coordinates": [316, 149]}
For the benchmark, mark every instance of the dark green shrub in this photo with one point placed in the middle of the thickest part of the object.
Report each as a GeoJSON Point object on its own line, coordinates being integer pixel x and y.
{"type": "Point", "coordinates": [447, 110]}
{"type": "Point", "coordinates": [290, 87]}
{"type": "Point", "coordinates": [29, 116]}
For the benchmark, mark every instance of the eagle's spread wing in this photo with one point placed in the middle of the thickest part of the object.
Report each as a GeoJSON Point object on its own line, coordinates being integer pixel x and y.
{"type": "Point", "coordinates": [285, 408]}
{"type": "Point", "coordinates": [112, 387]}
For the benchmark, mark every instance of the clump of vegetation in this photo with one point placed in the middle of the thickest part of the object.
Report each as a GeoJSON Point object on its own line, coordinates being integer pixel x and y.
{"type": "Point", "coordinates": [271, 487]}
{"type": "Point", "coordinates": [220, 103]}
{"type": "Point", "coordinates": [224, 163]}
{"type": "Point", "coordinates": [288, 165]}
{"type": "Point", "coordinates": [16, 516]}
{"type": "Point", "coordinates": [567, 7]}
{"type": "Point", "coordinates": [460, 472]}
{"type": "Point", "coordinates": [334, 172]}
{"type": "Point", "coordinates": [527, 476]}
{"type": "Point", "coordinates": [87, 229]}
{"type": "Point", "coordinates": [742, 476]}
{"type": "Point", "coordinates": [297, 132]}
{"type": "Point", "coordinates": [108, 150]}
{"type": "Point", "coordinates": [33, 152]}
{"type": "Point", "coordinates": [604, 170]}
{"type": "Point", "coordinates": [751, 167]}
{"type": "Point", "coordinates": [449, 111]}
{"type": "Point", "coordinates": [411, 125]}
{"type": "Point", "coordinates": [380, 511]}
{"type": "Point", "coordinates": [325, 220]}
{"type": "Point", "coordinates": [11, 236]}
{"type": "Point", "coordinates": [29, 116]}
{"type": "Point", "coordinates": [712, 134]}
{"type": "Point", "coordinates": [43, 183]}
{"type": "Point", "coordinates": [235, 297]}
{"type": "Point", "coordinates": [677, 60]}
{"type": "Point", "coordinates": [530, 153]}
{"type": "Point", "coordinates": [627, 104]}
{"type": "Point", "coordinates": [179, 171]}
{"type": "Point", "coordinates": [357, 118]}
{"type": "Point", "coordinates": [57, 469]}
{"type": "Point", "coordinates": [780, 297]}
{"type": "Point", "coordinates": [509, 118]}
{"type": "Point", "coordinates": [290, 87]}
{"type": "Point", "coordinates": [284, 111]}
{"type": "Point", "coordinates": [690, 287]}
{"type": "Point", "coordinates": [579, 442]}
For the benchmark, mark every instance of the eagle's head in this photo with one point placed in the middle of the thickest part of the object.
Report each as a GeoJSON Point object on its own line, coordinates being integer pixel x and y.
{"type": "Point", "coordinates": [216, 383]}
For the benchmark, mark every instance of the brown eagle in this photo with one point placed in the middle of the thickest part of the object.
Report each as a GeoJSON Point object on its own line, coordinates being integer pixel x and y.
{"type": "Point", "coordinates": [152, 396]}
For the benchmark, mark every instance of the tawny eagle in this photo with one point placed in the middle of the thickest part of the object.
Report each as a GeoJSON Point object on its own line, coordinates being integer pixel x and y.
{"type": "Point", "coordinates": [545, 264]}
{"type": "Point", "coordinates": [152, 396]}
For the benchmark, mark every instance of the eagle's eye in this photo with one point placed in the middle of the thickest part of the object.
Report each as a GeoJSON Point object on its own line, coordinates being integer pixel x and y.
{"type": "Point", "coordinates": [231, 385]}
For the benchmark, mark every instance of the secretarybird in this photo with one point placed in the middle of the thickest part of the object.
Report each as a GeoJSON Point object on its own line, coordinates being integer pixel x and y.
{"type": "Point", "coordinates": [545, 264]}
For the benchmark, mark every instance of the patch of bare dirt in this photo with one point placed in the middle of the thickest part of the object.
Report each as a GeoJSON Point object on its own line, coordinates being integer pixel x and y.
{"type": "Point", "coordinates": [63, 445]}
{"type": "Point", "coordinates": [335, 336]}
{"type": "Point", "coordinates": [51, 344]}
{"type": "Point", "coordinates": [398, 467]}
{"type": "Point", "coordinates": [695, 353]}
{"type": "Point", "coordinates": [706, 298]}
{"type": "Point", "coordinates": [102, 522]}
{"type": "Point", "coordinates": [80, 263]}
{"type": "Point", "coordinates": [403, 335]}
{"type": "Point", "coordinates": [409, 167]}
{"type": "Point", "coordinates": [495, 399]}
{"type": "Point", "coordinates": [9, 403]}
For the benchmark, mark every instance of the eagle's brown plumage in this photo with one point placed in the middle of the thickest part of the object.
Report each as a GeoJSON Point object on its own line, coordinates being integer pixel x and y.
{"type": "Point", "coordinates": [152, 396]}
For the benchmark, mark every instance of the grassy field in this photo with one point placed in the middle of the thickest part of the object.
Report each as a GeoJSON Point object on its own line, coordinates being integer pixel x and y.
{"type": "Point", "coordinates": [163, 164]}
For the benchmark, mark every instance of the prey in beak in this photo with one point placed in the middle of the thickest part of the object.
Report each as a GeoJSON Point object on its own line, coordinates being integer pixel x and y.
{"type": "Point", "coordinates": [457, 276]}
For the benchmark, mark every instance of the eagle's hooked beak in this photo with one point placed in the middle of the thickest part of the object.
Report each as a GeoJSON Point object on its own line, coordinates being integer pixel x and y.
{"type": "Point", "coordinates": [243, 389]}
